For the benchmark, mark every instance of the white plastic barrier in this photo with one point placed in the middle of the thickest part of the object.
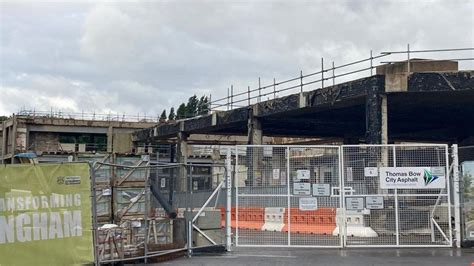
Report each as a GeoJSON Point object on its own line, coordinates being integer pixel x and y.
{"type": "Point", "coordinates": [354, 224]}
{"type": "Point", "coordinates": [274, 219]}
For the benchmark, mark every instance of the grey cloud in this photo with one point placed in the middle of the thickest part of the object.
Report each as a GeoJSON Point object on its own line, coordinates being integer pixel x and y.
{"type": "Point", "coordinates": [146, 56]}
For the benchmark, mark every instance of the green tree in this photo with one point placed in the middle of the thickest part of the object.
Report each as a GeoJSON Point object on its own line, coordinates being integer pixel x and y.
{"type": "Point", "coordinates": [200, 106]}
{"type": "Point", "coordinates": [172, 115]}
{"type": "Point", "coordinates": [191, 106]}
{"type": "Point", "coordinates": [205, 106]}
{"type": "Point", "coordinates": [163, 116]}
{"type": "Point", "coordinates": [3, 118]}
{"type": "Point", "coordinates": [181, 112]}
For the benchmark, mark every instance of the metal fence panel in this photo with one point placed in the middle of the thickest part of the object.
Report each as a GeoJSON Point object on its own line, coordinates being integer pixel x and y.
{"type": "Point", "coordinates": [399, 215]}
{"type": "Point", "coordinates": [287, 196]}
{"type": "Point", "coordinates": [333, 196]}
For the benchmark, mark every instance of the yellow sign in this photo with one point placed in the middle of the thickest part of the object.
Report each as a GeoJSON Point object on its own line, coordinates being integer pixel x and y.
{"type": "Point", "coordinates": [45, 214]}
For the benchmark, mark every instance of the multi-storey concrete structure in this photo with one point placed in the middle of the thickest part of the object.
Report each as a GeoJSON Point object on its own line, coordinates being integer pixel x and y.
{"type": "Point", "coordinates": [54, 135]}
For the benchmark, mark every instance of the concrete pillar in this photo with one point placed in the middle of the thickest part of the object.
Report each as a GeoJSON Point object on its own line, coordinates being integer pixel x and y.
{"type": "Point", "coordinates": [254, 154]}
{"type": "Point", "coordinates": [376, 117]}
{"type": "Point", "coordinates": [255, 134]}
{"type": "Point", "coordinates": [110, 142]}
{"type": "Point", "coordinates": [182, 158]}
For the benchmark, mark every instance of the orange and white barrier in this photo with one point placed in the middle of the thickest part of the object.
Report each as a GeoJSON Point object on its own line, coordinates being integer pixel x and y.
{"type": "Point", "coordinates": [321, 221]}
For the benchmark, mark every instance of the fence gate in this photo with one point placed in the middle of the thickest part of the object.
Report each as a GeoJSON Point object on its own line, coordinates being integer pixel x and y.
{"type": "Point", "coordinates": [335, 196]}
{"type": "Point", "coordinates": [287, 196]}
{"type": "Point", "coordinates": [396, 195]}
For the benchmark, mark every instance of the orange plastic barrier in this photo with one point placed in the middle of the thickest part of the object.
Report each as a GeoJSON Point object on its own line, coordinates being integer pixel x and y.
{"type": "Point", "coordinates": [249, 218]}
{"type": "Point", "coordinates": [321, 221]}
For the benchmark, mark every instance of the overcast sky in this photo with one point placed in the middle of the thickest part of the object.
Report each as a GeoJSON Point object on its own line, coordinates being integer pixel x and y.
{"type": "Point", "coordinates": [142, 57]}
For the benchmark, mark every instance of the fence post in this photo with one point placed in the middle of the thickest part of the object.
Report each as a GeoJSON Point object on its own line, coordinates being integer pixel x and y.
{"type": "Point", "coordinates": [333, 74]}
{"type": "Point", "coordinates": [94, 213]}
{"type": "Point", "coordinates": [408, 61]}
{"type": "Point", "coordinates": [228, 98]}
{"type": "Point", "coordinates": [322, 72]}
{"type": "Point", "coordinates": [396, 200]}
{"type": "Point", "coordinates": [231, 96]}
{"type": "Point", "coordinates": [371, 63]}
{"type": "Point", "coordinates": [288, 192]}
{"type": "Point", "coordinates": [301, 80]}
{"type": "Point", "coordinates": [457, 194]}
{"type": "Point", "coordinates": [259, 90]}
{"type": "Point", "coordinates": [248, 95]}
{"type": "Point", "coordinates": [228, 206]}
{"type": "Point", "coordinates": [274, 89]}
{"type": "Point", "coordinates": [145, 213]}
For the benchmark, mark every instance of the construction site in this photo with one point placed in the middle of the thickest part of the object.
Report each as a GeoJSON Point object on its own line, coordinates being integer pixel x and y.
{"type": "Point", "coordinates": [375, 153]}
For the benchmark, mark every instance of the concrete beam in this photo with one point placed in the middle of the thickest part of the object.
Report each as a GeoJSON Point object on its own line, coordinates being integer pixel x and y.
{"type": "Point", "coordinates": [56, 121]}
{"type": "Point", "coordinates": [68, 129]}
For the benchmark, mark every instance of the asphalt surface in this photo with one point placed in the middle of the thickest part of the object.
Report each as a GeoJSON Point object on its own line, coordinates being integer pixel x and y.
{"type": "Point", "coordinates": [347, 256]}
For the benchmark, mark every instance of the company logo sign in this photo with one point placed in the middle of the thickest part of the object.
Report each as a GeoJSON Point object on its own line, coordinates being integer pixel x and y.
{"type": "Point", "coordinates": [412, 177]}
{"type": "Point", "coordinates": [429, 177]}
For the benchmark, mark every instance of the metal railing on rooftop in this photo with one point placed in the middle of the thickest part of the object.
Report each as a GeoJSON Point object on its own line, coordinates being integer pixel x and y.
{"type": "Point", "coordinates": [301, 82]}
{"type": "Point", "coordinates": [90, 116]}
{"type": "Point", "coordinates": [356, 69]}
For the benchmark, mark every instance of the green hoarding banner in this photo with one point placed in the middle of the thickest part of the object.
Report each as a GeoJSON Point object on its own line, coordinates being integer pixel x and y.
{"type": "Point", "coordinates": [45, 214]}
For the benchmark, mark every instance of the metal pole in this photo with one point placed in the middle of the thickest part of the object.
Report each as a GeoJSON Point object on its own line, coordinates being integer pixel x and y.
{"type": "Point", "coordinates": [448, 191]}
{"type": "Point", "coordinates": [259, 90]}
{"type": "Point", "coordinates": [301, 80]}
{"type": "Point", "coordinates": [333, 74]}
{"type": "Point", "coordinates": [248, 95]}
{"type": "Point", "coordinates": [210, 103]}
{"type": "Point", "coordinates": [236, 185]}
{"type": "Point", "coordinates": [408, 61]}
{"type": "Point", "coordinates": [343, 225]}
{"type": "Point", "coordinates": [228, 97]}
{"type": "Point", "coordinates": [147, 205]}
{"type": "Point", "coordinates": [371, 63]}
{"type": "Point", "coordinates": [457, 195]}
{"type": "Point", "coordinates": [190, 238]}
{"type": "Point", "coordinates": [274, 89]}
{"type": "Point", "coordinates": [396, 200]}
{"type": "Point", "coordinates": [322, 72]}
{"type": "Point", "coordinates": [340, 222]}
{"type": "Point", "coordinates": [94, 213]}
{"type": "Point", "coordinates": [288, 193]}
{"type": "Point", "coordinates": [228, 200]}
{"type": "Point", "coordinates": [231, 96]}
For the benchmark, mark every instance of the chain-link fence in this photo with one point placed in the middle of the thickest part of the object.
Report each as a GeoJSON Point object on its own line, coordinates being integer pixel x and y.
{"type": "Point", "coordinates": [331, 196]}
{"type": "Point", "coordinates": [466, 162]}
{"type": "Point", "coordinates": [396, 195]}
{"type": "Point", "coordinates": [286, 196]}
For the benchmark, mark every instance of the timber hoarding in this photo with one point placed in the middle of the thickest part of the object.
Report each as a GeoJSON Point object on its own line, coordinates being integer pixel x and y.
{"type": "Point", "coordinates": [45, 214]}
